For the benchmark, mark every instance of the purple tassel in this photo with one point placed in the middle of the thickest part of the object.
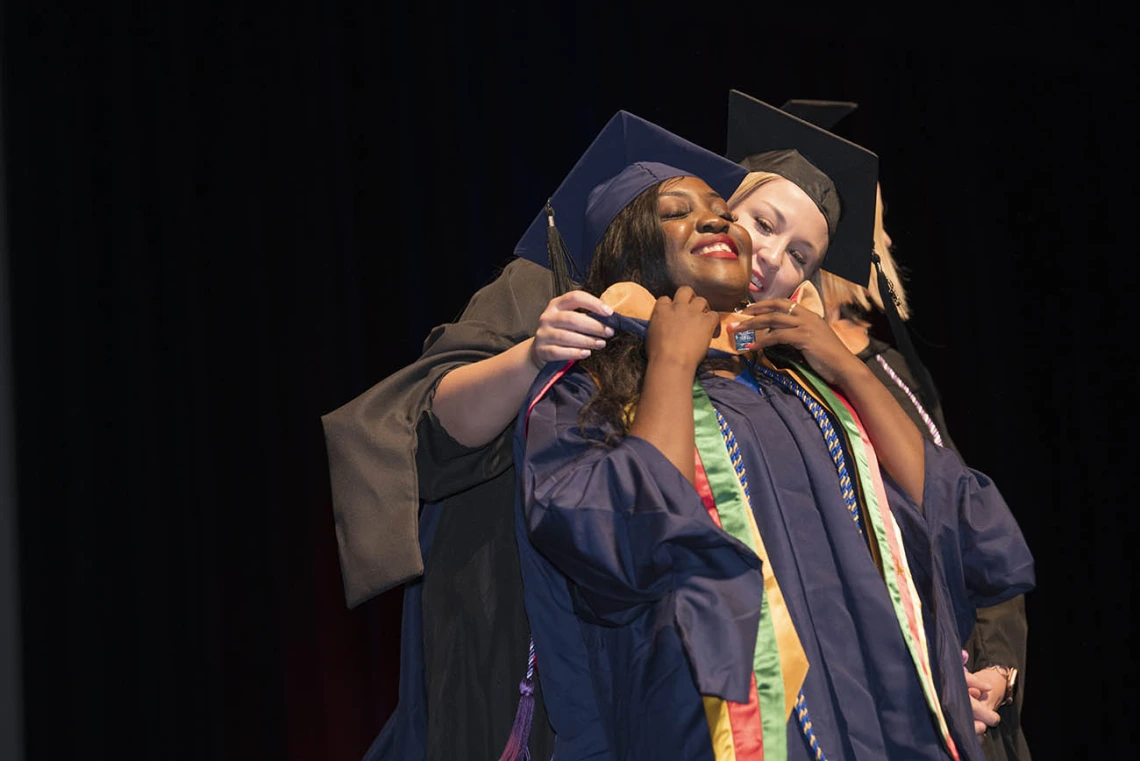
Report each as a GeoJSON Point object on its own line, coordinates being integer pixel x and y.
{"type": "Point", "coordinates": [517, 744]}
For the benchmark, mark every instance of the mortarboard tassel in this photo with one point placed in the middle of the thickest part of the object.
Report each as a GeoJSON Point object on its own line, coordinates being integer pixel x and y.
{"type": "Point", "coordinates": [517, 748]}
{"type": "Point", "coordinates": [902, 336]}
{"type": "Point", "coordinates": [558, 255]}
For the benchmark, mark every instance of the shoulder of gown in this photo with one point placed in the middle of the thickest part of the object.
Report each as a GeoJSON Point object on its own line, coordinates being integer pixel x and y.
{"type": "Point", "coordinates": [387, 452]}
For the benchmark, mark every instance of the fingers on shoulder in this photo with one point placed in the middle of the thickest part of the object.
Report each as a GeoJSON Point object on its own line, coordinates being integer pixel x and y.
{"type": "Point", "coordinates": [582, 300]}
{"type": "Point", "coordinates": [579, 322]}
{"type": "Point", "coordinates": [571, 338]}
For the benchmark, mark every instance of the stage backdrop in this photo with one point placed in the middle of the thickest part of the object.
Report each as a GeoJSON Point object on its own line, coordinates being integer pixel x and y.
{"type": "Point", "coordinates": [227, 219]}
{"type": "Point", "coordinates": [11, 694]}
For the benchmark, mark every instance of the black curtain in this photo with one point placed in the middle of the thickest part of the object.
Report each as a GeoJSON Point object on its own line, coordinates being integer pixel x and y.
{"type": "Point", "coordinates": [227, 220]}
{"type": "Point", "coordinates": [11, 702]}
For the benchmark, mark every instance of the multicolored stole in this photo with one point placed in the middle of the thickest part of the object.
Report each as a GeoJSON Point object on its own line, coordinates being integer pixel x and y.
{"type": "Point", "coordinates": [885, 540]}
{"type": "Point", "coordinates": [757, 729]}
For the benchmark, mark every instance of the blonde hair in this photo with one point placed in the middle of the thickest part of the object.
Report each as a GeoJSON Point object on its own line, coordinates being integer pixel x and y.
{"type": "Point", "coordinates": [751, 181]}
{"type": "Point", "coordinates": [837, 291]}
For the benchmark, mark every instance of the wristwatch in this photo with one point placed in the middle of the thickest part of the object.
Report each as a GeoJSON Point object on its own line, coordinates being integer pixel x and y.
{"type": "Point", "coordinates": [1010, 675]}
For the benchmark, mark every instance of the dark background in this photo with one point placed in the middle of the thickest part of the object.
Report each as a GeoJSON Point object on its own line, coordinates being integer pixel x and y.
{"type": "Point", "coordinates": [225, 220]}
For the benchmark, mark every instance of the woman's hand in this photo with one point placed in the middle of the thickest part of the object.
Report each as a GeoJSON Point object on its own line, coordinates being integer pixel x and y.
{"type": "Point", "coordinates": [565, 333]}
{"type": "Point", "coordinates": [897, 442]}
{"type": "Point", "coordinates": [680, 330]}
{"type": "Point", "coordinates": [986, 688]}
{"type": "Point", "coordinates": [781, 321]}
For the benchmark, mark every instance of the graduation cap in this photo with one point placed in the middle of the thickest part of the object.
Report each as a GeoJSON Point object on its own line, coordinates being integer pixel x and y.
{"type": "Point", "coordinates": [825, 114]}
{"type": "Point", "coordinates": [837, 174]}
{"type": "Point", "coordinates": [626, 158]}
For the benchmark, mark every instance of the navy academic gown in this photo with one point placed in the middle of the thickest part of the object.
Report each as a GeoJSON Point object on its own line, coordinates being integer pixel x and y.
{"type": "Point", "coordinates": [639, 604]}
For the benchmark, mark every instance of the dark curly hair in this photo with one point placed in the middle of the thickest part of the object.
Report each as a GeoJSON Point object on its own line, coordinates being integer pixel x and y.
{"type": "Point", "coordinates": [632, 249]}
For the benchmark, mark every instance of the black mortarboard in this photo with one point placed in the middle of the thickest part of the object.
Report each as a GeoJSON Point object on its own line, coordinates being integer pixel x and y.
{"type": "Point", "coordinates": [628, 156]}
{"type": "Point", "coordinates": [824, 114]}
{"type": "Point", "coordinates": [837, 174]}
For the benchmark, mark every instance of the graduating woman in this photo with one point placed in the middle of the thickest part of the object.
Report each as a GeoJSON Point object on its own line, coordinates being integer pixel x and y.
{"type": "Point", "coordinates": [423, 495]}
{"type": "Point", "coordinates": [733, 554]}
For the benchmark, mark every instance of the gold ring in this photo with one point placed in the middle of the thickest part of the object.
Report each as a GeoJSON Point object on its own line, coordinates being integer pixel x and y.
{"type": "Point", "coordinates": [792, 308]}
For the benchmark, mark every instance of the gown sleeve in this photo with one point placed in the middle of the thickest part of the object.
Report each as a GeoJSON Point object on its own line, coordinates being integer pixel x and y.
{"type": "Point", "coordinates": [965, 537]}
{"type": "Point", "coordinates": [388, 453]}
{"type": "Point", "coordinates": [629, 531]}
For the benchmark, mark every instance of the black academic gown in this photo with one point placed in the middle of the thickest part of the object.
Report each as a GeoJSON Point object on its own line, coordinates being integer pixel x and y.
{"type": "Point", "coordinates": [409, 500]}
{"type": "Point", "coordinates": [1000, 634]}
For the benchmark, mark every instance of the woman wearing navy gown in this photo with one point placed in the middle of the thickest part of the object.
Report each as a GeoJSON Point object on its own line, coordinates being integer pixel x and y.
{"type": "Point", "coordinates": [739, 552]}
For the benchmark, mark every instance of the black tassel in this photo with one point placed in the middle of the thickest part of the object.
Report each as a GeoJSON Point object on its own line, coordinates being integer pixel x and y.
{"type": "Point", "coordinates": [925, 388]}
{"type": "Point", "coordinates": [558, 255]}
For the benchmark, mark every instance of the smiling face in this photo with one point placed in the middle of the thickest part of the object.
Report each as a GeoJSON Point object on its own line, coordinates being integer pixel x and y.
{"type": "Point", "coordinates": [704, 248]}
{"type": "Point", "coordinates": [789, 237]}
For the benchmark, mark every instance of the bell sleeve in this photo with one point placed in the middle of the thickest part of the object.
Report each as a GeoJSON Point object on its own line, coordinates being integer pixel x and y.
{"type": "Point", "coordinates": [388, 453]}
{"type": "Point", "coordinates": [628, 531]}
{"type": "Point", "coordinates": [964, 537]}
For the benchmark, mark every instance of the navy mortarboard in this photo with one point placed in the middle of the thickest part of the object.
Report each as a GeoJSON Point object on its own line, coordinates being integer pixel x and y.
{"type": "Point", "coordinates": [628, 156]}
